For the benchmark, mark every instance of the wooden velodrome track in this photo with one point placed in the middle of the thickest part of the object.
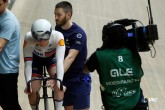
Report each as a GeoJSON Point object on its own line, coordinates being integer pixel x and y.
{"type": "Point", "coordinates": [92, 15]}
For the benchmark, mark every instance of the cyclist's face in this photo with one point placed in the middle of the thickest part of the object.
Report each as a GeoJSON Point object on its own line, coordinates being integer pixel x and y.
{"type": "Point", "coordinates": [61, 17]}
{"type": "Point", "coordinates": [43, 43]}
{"type": "Point", "coordinates": [2, 6]}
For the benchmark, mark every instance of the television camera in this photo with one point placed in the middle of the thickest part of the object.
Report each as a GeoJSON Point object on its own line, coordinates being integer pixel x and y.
{"type": "Point", "coordinates": [141, 38]}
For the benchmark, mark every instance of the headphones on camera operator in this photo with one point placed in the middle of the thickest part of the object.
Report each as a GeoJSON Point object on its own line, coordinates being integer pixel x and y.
{"type": "Point", "coordinates": [114, 36]}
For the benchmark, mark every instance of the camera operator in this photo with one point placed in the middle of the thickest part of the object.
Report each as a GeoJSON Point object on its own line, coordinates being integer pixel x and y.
{"type": "Point", "coordinates": [119, 69]}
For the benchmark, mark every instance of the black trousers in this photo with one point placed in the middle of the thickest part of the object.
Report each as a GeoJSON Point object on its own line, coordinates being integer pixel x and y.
{"type": "Point", "coordinates": [9, 91]}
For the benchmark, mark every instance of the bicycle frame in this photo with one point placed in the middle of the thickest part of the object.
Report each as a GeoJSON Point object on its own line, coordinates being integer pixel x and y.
{"type": "Point", "coordinates": [45, 96]}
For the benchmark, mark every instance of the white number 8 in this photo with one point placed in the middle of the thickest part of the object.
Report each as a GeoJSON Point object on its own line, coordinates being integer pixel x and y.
{"type": "Point", "coordinates": [120, 58]}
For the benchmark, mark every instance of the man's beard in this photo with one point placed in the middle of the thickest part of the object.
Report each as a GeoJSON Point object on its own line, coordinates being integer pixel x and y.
{"type": "Point", "coordinates": [63, 22]}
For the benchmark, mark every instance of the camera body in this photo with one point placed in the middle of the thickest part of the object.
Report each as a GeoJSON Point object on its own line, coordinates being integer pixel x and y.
{"type": "Point", "coordinates": [140, 38]}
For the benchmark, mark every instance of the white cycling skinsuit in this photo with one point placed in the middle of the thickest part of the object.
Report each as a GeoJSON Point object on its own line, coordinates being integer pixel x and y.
{"type": "Point", "coordinates": [56, 46]}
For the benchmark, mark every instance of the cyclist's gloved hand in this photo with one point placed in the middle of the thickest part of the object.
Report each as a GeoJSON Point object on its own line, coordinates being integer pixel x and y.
{"type": "Point", "coordinates": [50, 83]}
{"type": "Point", "coordinates": [59, 84]}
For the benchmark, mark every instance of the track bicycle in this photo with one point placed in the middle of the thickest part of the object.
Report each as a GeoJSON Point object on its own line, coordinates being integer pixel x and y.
{"type": "Point", "coordinates": [44, 96]}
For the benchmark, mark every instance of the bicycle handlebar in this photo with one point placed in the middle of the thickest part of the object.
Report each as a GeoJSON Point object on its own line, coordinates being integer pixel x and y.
{"type": "Point", "coordinates": [43, 79]}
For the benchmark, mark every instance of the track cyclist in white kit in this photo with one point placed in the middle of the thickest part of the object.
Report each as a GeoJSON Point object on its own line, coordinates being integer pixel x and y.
{"type": "Point", "coordinates": [44, 47]}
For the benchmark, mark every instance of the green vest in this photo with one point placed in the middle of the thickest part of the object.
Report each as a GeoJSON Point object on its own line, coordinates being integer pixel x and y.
{"type": "Point", "coordinates": [120, 74]}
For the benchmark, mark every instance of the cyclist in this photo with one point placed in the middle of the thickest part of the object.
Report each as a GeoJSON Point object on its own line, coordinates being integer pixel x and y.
{"type": "Point", "coordinates": [44, 47]}
{"type": "Point", "coordinates": [119, 70]}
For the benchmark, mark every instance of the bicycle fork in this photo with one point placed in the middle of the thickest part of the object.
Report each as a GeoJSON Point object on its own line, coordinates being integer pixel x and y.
{"type": "Point", "coordinates": [45, 96]}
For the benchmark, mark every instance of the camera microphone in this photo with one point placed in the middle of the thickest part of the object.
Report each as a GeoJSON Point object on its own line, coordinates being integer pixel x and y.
{"type": "Point", "coordinates": [125, 22]}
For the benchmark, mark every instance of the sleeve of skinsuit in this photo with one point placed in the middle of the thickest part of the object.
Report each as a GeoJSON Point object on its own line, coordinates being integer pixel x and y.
{"type": "Point", "coordinates": [60, 52]}
{"type": "Point", "coordinates": [27, 52]}
{"type": "Point", "coordinates": [28, 70]}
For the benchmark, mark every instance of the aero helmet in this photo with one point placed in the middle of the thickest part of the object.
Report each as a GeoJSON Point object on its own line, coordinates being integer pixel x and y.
{"type": "Point", "coordinates": [41, 29]}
